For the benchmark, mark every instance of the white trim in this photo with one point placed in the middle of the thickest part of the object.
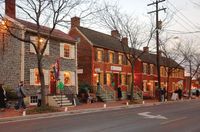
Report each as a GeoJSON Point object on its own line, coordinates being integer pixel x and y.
{"type": "Point", "coordinates": [76, 74]}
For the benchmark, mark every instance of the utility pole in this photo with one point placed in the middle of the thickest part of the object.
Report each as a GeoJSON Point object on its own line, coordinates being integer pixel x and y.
{"type": "Point", "coordinates": [158, 26]}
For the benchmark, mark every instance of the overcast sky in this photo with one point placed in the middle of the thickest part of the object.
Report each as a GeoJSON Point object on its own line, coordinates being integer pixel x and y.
{"type": "Point", "coordinates": [186, 18]}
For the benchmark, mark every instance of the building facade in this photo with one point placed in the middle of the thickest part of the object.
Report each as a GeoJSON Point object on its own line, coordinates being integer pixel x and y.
{"type": "Point", "coordinates": [19, 60]}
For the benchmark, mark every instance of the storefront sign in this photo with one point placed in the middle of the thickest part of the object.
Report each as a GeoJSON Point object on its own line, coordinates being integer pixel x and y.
{"type": "Point", "coordinates": [80, 71]}
{"type": "Point", "coordinates": [97, 70]}
{"type": "Point", "coordinates": [116, 68]}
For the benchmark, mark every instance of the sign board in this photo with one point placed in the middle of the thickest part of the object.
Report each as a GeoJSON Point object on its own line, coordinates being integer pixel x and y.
{"type": "Point", "coordinates": [97, 70]}
{"type": "Point", "coordinates": [80, 71]}
{"type": "Point", "coordinates": [116, 68]}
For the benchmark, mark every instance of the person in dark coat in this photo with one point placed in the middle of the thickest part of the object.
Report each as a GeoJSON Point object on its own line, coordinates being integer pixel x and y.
{"type": "Point", "coordinates": [179, 91]}
{"type": "Point", "coordinates": [119, 93]}
{"type": "Point", "coordinates": [2, 98]}
{"type": "Point", "coordinates": [197, 93]}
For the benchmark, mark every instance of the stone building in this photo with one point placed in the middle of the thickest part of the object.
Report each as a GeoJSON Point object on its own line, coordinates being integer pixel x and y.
{"type": "Point", "coordinates": [19, 61]}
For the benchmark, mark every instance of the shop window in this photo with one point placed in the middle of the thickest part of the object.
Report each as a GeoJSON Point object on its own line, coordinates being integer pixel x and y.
{"type": "Point", "coordinates": [35, 78]}
{"type": "Point", "coordinates": [108, 79]}
{"type": "Point", "coordinates": [67, 78]}
{"type": "Point", "coordinates": [123, 79]}
{"type": "Point", "coordinates": [145, 86]}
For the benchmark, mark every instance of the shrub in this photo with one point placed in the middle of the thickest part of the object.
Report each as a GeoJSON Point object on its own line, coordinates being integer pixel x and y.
{"type": "Point", "coordinates": [10, 93]}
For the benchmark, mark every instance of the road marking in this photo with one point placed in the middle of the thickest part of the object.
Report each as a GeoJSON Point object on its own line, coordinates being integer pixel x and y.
{"type": "Point", "coordinates": [147, 115]}
{"type": "Point", "coordinates": [171, 121]}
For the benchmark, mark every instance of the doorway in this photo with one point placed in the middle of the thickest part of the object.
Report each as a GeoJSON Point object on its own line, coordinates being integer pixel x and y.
{"type": "Point", "coordinates": [52, 86]}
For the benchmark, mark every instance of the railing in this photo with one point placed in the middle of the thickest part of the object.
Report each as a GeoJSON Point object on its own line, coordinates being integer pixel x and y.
{"type": "Point", "coordinates": [138, 93]}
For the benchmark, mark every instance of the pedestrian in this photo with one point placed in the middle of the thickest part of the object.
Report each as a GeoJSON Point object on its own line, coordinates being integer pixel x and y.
{"type": "Point", "coordinates": [39, 98]}
{"type": "Point", "coordinates": [165, 93]}
{"type": "Point", "coordinates": [179, 91]}
{"type": "Point", "coordinates": [2, 98]}
{"type": "Point", "coordinates": [21, 95]}
{"type": "Point", "coordinates": [197, 93]}
{"type": "Point", "coordinates": [162, 95]}
{"type": "Point", "coordinates": [98, 89]}
{"type": "Point", "coordinates": [119, 93]}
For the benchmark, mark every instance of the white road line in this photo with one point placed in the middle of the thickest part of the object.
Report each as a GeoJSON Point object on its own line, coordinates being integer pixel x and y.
{"type": "Point", "coordinates": [171, 121]}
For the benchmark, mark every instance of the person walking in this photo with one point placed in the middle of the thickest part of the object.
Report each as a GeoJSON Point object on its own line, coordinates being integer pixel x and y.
{"type": "Point", "coordinates": [119, 93]}
{"type": "Point", "coordinates": [179, 93]}
{"type": "Point", "coordinates": [39, 98]}
{"type": "Point", "coordinates": [2, 98]}
{"type": "Point", "coordinates": [21, 95]}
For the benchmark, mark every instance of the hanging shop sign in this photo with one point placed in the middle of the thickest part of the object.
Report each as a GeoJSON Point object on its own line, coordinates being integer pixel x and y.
{"type": "Point", "coordinates": [97, 70]}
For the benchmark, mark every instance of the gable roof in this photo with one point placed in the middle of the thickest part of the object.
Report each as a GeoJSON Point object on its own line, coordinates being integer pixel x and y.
{"type": "Point", "coordinates": [151, 59]}
{"type": "Point", "coordinates": [102, 40]}
{"type": "Point", "coordinates": [44, 30]}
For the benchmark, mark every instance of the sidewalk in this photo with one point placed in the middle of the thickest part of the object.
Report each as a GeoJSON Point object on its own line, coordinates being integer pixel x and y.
{"type": "Point", "coordinates": [97, 105]}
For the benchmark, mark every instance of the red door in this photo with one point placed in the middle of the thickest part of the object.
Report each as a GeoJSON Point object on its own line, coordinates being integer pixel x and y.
{"type": "Point", "coordinates": [52, 85]}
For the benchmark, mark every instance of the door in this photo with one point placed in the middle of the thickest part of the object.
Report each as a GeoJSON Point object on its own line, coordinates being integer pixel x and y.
{"type": "Point", "coordinates": [115, 81]}
{"type": "Point", "coordinates": [52, 85]}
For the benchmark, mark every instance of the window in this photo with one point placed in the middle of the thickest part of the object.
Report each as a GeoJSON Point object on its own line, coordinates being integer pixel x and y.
{"type": "Point", "coordinates": [33, 100]}
{"type": "Point", "coordinates": [145, 86]}
{"type": "Point", "coordinates": [99, 55]}
{"type": "Point", "coordinates": [123, 79]}
{"type": "Point", "coordinates": [111, 57]}
{"type": "Point", "coordinates": [67, 51]}
{"type": "Point", "coordinates": [68, 78]}
{"type": "Point", "coordinates": [144, 68]}
{"type": "Point", "coordinates": [151, 69]}
{"type": "Point", "coordinates": [39, 44]}
{"type": "Point", "coordinates": [35, 78]}
{"type": "Point", "coordinates": [108, 76]}
{"type": "Point", "coordinates": [120, 59]}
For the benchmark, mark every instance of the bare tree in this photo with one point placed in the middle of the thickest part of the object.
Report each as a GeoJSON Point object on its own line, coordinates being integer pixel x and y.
{"type": "Point", "coordinates": [189, 51]}
{"type": "Point", "coordinates": [50, 13]}
{"type": "Point", "coordinates": [112, 18]}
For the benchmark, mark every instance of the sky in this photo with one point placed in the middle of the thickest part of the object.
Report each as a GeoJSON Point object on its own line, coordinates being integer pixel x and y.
{"type": "Point", "coordinates": [186, 17]}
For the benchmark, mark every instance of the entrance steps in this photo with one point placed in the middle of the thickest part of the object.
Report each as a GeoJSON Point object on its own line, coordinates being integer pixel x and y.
{"type": "Point", "coordinates": [59, 101]}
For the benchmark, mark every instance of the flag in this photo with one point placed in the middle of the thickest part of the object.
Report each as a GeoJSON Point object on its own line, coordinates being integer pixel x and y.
{"type": "Point", "coordinates": [56, 69]}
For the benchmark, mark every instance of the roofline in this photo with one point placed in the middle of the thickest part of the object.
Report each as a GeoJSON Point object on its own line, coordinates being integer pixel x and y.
{"type": "Point", "coordinates": [52, 36]}
{"type": "Point", "coordinates": [84, 36]}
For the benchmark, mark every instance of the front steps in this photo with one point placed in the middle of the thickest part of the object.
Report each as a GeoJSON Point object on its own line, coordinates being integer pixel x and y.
{"type": "Point", "coordinates": [59, 101]}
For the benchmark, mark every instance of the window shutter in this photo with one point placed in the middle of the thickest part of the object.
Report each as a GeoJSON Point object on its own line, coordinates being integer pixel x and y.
{"type": "Point", "coordinates": [73, 78]}
{"type": "Point", "coordinates": [46, 77]}
{"type": "Point", "coordinates": [32, 77]}
{"type": "Point", "coordinates": [96, 52]}
{"type": "Point", "coordinates": [61, 49]}
{"type": "Point", "coordinates": [46, 52]}
{"type": "Point", "coordinates": [61, 76]}
{"type": "Point", "coordinates": [32, 39]}
{"type": "Point", "coordinates": [72, 51]}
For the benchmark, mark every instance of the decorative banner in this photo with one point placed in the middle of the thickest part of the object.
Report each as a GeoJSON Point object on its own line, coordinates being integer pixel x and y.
{"type": "Point", "coordinates": [60, 85]}
{"type": "Point", "coordinates": [56, 69]}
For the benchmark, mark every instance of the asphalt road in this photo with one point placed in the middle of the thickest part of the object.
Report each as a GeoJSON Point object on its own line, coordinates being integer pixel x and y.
{"type": "Point", "coordinates": [173, 117]}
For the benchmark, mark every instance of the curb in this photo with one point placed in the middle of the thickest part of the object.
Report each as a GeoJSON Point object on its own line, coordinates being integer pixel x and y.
{"type": "Point", "coordinates": [82, 111]}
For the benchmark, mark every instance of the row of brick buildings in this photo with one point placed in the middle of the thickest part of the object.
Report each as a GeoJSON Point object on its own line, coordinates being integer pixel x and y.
{"type": "Point", "coordinates": [85, 57]}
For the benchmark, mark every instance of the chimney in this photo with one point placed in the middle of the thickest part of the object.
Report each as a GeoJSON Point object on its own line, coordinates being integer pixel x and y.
{"type": "Point", "coordinates": [124, 40]}
{"type": "Point", "coordinates": [115, 33]}
{"type": "Point", "coordinates": [75, 22]}
{"type": "Point", "coordinates": [146, 49]}
{"type": "Point", "coordinates": [10, 8]}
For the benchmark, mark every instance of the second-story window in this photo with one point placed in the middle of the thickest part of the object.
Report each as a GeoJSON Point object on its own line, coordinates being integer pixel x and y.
{"type": "Point", "coordinates": [99, 55]}
{"type": "Point", "coordinates": [151, 69]}
{"type": "Point", "coordinates": [120, 59]}
{"type": "Point", "coordinates": [144, 68]}
{"type": "Point", "coordinates": [66, 51]}
{"type": "Point", "coordinates": [39, 43]}
{"type": "Point", "coordinates": [111, 57]}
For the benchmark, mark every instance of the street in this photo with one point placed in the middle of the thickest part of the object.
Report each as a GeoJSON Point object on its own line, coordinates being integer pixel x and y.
{"type": "Point", "coordinates": [181, 116]}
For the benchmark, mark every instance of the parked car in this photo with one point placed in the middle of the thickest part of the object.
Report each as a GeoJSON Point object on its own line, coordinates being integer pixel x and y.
{"type": "Point", "coordinates": [193, 91]}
